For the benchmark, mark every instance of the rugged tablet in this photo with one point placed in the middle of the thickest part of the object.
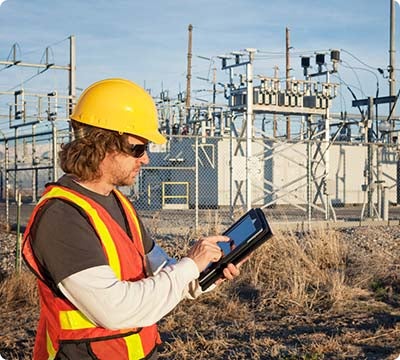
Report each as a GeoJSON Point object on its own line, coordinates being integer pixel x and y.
{"type": "Point", "coordinates": [246, 234]}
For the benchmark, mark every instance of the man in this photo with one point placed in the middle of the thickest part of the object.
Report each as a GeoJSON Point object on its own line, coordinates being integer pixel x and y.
{"type": "Point", "coordinates": [103, 282]}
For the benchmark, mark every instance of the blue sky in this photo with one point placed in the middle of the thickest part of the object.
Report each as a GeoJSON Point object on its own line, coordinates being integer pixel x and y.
{"type": "Point", "coordinates": [146, 41]}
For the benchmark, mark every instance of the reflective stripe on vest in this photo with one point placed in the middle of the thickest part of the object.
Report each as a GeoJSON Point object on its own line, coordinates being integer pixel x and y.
{"type": "Point", "coordinates": [50, 348]}
{"type": "Point", "coordinates": [135, 347]}
{"type": "Point", "coordinates": [128, 206]}
{"type": "Point", "coordinates": [132, 216]}
{"type": "Point", "coordinates": [74, 320]}
{"type": "Point", "coordinates": [104, 234]}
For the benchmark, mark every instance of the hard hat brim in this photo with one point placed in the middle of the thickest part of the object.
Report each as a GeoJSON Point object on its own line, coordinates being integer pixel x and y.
{"type": "Point", "coordinates": [156, 138]}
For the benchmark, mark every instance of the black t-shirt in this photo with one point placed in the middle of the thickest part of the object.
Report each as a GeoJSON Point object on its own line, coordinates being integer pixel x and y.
{"type": "Point", "coordinates": [64, 241]}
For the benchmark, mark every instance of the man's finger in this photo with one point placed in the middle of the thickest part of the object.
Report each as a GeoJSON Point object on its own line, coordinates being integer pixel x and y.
{"type": "Point", "coordinates": [231, 271]}
{"type": "Point", "coordinates": [217, 238]}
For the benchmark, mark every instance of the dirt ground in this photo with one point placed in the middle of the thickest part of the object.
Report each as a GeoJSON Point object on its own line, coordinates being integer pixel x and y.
{"type": "Point", "coordinates": [236, 321]}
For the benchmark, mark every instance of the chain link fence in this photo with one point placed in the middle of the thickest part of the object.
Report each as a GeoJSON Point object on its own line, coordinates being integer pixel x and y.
{"type": "Point", "coordinates": [203, 183]}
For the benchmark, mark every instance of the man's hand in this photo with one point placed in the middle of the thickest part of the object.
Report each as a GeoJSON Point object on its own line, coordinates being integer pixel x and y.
{"type": "Point", "coordinates": [231, 271]}
{"type": "Point", "coordinates": [206, 251]}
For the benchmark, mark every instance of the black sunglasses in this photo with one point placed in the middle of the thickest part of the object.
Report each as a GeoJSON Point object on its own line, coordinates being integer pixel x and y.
{"type": "Point", "coordinates": [138, 150]}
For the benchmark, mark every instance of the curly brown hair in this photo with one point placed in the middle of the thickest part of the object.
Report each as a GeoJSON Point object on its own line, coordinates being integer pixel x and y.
{"type": "Point", "coordinates": [82, 156]}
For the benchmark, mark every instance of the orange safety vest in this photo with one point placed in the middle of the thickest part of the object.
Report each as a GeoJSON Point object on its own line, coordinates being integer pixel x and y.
{"type": "Point", "coordinates": [60, 321]}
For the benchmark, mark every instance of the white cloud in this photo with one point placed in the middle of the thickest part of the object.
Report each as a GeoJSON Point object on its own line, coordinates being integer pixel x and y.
{"type": "Point", "coordinates": [1, 2]}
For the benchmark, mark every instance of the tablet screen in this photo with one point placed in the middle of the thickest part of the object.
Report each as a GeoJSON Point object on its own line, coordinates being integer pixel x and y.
{"type": "Point", "coordinates": [240, 233]}
{"type": "Point", "coordinates": [246, 235]}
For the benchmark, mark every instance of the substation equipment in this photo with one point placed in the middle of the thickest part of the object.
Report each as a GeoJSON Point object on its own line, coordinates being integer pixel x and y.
{"type": "Point", "coordinates": [216, 156]}
{"type": "Point", "coordinates": [36, 125]}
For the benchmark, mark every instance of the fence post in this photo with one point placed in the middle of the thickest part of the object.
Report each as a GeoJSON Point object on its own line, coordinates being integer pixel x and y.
{"type": "Point", "coordinates": [196, 150]}
{"type": "Point", "coordinates": [231, 210]}
{"type": "Point", "coordinates": [384, 204]}
{"type": "Point", "coordinates": [7, 188]}
{"type": "Point", "coordinates": [54, 149]}
{"type": "Point", "coordinates": [18, 240]}
{"type": "Point", "coordinates": [309, 170]}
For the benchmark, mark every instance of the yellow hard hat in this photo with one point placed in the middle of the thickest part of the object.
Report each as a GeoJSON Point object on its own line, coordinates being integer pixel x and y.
{"type": "Point", "coordinates": [119, 105]}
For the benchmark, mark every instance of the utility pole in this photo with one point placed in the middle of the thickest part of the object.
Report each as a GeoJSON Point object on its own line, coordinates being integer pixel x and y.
{"type": "Point", "coordinates": [392, 53]}
{"type": "Point", "coordinates": [214, 93]}
{"type": "Point", "coordinates": [214, 82]}
{"type": "Point", "coordinates": [287, 78]}
{"type": "Point", "coordinates": [249, 124]}
{"type": "Point", "coordinates": [72, 80]}
{"type": "Point", "coordinates": [189, 70]}
{"type": "Point", "coordinates": [370, 158]}
{"type": "Point", "coordinates": [392, 82]}
{"type": "Point", "coordinates": [327, 159]}
{"type": "Point", "coordinates": [275, 116]}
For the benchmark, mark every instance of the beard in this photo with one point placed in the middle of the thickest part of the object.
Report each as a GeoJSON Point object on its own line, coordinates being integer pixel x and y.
{"type": "Point", "coordinates": [123, 176]}
{"type": "Point", "coordinates": [121, 172]}
{"type": "Point", "coordinates": [123, 179]}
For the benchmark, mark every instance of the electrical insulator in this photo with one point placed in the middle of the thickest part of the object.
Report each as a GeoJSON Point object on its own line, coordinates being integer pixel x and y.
{"type": "Point", "coordinates": [226, 95]}
{"type": "Point", "coordinates": [19, 115]}
{"type": "Point", "coordinates": [305, 61]}
{"type": "Point", "coordinates": [320, 59]}
{"type": "Point", "coordinates": [242, 79]}
{"type": "Point", "coordinates": [175, 129]}
{"type": "Point", "coordinates": [305, 64]}
{"type": "Point", "coordinates": [51, 116]}
{"type": "Point", "coordinates": [335, 55]}
{"type": "Point", "coordinates": [335, 58]}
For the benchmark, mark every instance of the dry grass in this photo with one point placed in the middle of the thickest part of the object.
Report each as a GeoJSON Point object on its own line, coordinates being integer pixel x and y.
{"type": "Point", "coordinates": [292, 273]}
{"type": "Point", "coordinates": [300, 296]}
{"type": "Point", "coordinates": [300, 272]}
{"type": "Point", "coordinates": [18, 314]}
{"type": "Point", "coordinates": [18, 290]}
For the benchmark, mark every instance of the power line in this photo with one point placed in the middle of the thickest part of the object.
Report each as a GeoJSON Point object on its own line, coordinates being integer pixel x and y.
{"type": "Point", "coordinates": [357, 77]}
{"type": "Point", "coordinates": [364, 69]}
{"type": "Point", "coordinates": [46, 46]}
{"type": "Point", "coordinates": [350, 86]}
{"type": "Point", "coordinates": [28, 79]}
{"type": "Point", "coordinates": [358, 59]}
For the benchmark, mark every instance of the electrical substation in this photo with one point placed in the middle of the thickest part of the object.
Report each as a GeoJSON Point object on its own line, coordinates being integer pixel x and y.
{"type": "Point", "coordinates": [228, 155]}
